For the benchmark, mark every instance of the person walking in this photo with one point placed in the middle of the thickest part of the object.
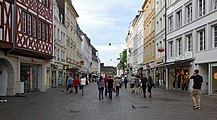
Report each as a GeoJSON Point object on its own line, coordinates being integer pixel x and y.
{"type": "Point", "coordinates": [76, 83]}
{"type": "Point", "coordinates": [82, 83]}
{"type": "Point", "coordinates": [125, 82]}
{"type": "Point", "coordinates": [106, 87]}
{"type": "Point", "coordinates": [101, 85]}
{"type": "Point", "coordinates": [150, 85]}
{"type": "Point", "coordinates": [143, 82]}
{"type": "Point", "coordinates": [70, 83]}
{"type": "Point", "coordinates": [110, 86]}
{"type": "Point", "coordinates": [137, 84]}
{"type": "Point", "coordinates": [196, 92]}
{"type": "Point", "coordinates": [117, 84]}
{"type": "Point", "coordinates": [132, 83]}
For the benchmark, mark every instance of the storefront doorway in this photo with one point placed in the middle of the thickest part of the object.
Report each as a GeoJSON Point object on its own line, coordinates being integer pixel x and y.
{"type": "Point", "coordinates": [30, 74]}
{"type": "Point", "coordinates": [214, 79]}
{"type": "Point", "coordinates": [178, 78]}
{"type": "Point", "coordinates": [3, 78]}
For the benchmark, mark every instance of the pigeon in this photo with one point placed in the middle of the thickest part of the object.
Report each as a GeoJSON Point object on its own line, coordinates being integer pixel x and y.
{"type": "Point", "coordinates": [133, 106]}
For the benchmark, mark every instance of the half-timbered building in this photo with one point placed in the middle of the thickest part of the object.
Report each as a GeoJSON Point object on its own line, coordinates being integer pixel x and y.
{"type": "Point", "coordinates": [27, 43]}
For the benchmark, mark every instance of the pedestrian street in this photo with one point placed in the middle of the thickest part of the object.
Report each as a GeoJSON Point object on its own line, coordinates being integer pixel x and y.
{"type": "Point", "coordinates": [57, 104]}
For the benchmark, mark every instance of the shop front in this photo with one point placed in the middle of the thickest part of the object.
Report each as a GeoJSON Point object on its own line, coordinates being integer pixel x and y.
{"type": "Point", "coordinates": [213, 77]}
{"type": "Point", "coordinates": [30, 74]}
{"type": "Point", "coordinates": [160, 73]}
{"type": "Point", "coordinates": [179, 78]}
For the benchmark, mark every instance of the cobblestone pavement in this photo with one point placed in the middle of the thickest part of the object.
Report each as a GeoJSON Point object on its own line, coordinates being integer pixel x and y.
{"type": "Point", "coordinates": [56, 104]}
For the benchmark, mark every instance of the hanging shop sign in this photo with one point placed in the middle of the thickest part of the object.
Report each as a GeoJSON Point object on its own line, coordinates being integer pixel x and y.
{"type": "Point", "coordinates": [54, 66]}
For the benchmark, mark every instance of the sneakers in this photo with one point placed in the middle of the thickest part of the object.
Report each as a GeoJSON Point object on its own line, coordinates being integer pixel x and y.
{"type": "Point", "coordinates": [196, 107]}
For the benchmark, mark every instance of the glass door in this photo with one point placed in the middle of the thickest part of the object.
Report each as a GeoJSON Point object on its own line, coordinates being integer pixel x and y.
{"type": "Point", "coordinates": [214, 79]}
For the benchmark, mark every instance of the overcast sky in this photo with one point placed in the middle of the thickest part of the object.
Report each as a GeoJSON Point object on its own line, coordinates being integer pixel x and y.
{"type": "Point", "coordinates": [107, 21]}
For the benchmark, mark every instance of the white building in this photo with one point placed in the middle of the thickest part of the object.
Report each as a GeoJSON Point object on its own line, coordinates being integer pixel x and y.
{"type": "Point", "coordinates": [85, 51]}
{"type": "Point", "coordinates": [129, 41]}
{"type": "Point", "coordinates": [160, 76]}
{"type": "Point", "coordinates": [57, 73]}
{"type": "Point", "coordinates": [192, 42]}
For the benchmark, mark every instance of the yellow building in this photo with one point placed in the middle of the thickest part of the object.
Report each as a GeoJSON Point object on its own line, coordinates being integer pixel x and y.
{"type": "Point", "coordinates": [149, 32]}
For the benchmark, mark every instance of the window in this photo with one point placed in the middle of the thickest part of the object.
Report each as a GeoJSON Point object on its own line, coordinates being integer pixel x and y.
{"type": "Point", "coordinates": [39, 29]}
{"type": "Point", "coordinates": [46, 32]}
{"type": "Point", "coordinates": [0, 13]}
{"type": "Point", "coordinates": [160, 23]}
{"type": "Point", "coordinates": [58, 55]}
{"type": "Point", "coordinates": [24, 22]}
{"type": "Point", "coordinates": [34, 26]}
{"type": "Point", "coordinates": [54, 32]}
{"type": "Point", "coordinates": [45, 3]}
{"type": "Point", "coordinates": [215, 36]}
{"type": "Point", "coordinates": [202, 39]}
{"type": "Point", "coordinates": [201, 7]}
{"type": "Point", "coordinates": [58, 34]}
{"type": "Point", "coordinates": [179, 46]}
{"type": "Point", "coordinates": [170, 20]}
{"type": "Point", "coordinates": [189, 42]}
{"type": "Point", "coordinates": [189, 13]}
{"type": "Point", "coordinates": [29, 24]}
{"type": "Point", "coordinates": [43, 31]}
{"type": "Point", "coordinates": [179, 19]}
{"type": "Point", "coordinates": [214, 4]}
{"type": "Point", "coordinates": [171, 48]}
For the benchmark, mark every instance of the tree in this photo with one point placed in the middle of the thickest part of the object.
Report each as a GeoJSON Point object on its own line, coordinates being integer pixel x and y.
{"type": "Point", "coordinates": [123, 61]}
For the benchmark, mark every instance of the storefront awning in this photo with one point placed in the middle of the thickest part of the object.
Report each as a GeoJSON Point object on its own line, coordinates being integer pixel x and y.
{"type": "Point", "coordinates": [176, 63]}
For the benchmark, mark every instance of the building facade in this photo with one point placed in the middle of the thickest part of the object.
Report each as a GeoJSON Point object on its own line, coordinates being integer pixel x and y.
{"type": "Point", "coordinates": [27, 44]}
{"type": "Point", "coordinates": [191, 42]}
{"type": "Point", "coordinates": [149, 37]}
{"type": "Point", "coordinates": [57, 74]}
{"type": "Point", "coordinates": [71, 26]}
{"type": "Point", "coordinates": [160, 69]}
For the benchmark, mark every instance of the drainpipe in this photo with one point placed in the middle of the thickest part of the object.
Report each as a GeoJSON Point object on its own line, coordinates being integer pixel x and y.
{"type": "Point", "coordinates": [13, 27]}
{"type": "Point", "coordinates": [165, 43]}
{"type": "Point", "coordinates": [165, 47]}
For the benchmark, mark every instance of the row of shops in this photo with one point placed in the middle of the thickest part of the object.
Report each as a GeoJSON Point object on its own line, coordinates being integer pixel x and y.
{"type": "Point", "coordinates": [35, 74]}
{"type": "Point", "coordinates": [175, 75]}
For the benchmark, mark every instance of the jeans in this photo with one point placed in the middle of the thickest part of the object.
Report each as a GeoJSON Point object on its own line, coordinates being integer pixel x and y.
{"type": "Point", "coordinates": [110, 93]}
{"type": "Point", "coordinates": [101, 93]}
{"type": "Point", "coordinates": [117, 90]}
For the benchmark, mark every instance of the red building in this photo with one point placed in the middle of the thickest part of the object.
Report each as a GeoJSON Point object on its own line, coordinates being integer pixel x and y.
{"type": "Point", "coordinates": [26, 44]}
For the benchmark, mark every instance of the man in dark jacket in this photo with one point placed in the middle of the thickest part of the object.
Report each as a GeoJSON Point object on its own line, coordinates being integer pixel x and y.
{"type": "Point", "coordinates": [196, 92]}
{"type": "Point", "coordinates": [110, 86]}
{"type": "Point", "coordinates": [144, 81]}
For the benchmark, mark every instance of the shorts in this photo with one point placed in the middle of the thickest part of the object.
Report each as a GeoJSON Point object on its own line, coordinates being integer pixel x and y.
{"type": "Point", "coordinates": [132, 85]}
{"type": "Point", "coordinates": [196, 93]}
